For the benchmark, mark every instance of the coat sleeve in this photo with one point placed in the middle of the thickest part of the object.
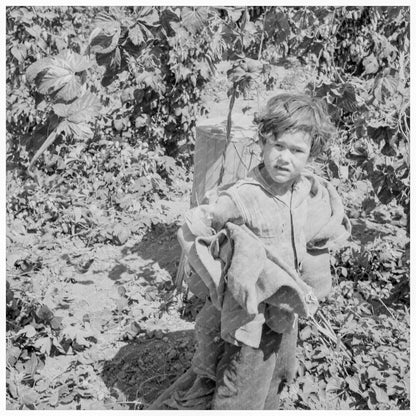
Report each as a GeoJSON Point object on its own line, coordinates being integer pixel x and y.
{"type": "Point", "coordinates": [327, 224]}
{"type": "Point", "coordinates": [204, 220]}
{"type": "Point", "coordinates": [326, 227]}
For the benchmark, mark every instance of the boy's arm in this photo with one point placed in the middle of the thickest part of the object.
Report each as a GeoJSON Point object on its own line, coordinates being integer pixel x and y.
{"type": "Point", "coordinates": [223, 211]}
{"type": "Point", "coordinates": [207, 219]}
{"type": "Point", "coordinates": [327, 225]}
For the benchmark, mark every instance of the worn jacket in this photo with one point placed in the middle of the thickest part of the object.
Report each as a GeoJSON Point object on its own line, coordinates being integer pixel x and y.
{"type": "Point", "coordinates": [276, 243]}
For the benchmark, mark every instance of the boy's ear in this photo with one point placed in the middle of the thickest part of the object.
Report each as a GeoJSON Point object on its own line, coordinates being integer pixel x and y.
{"type": "Point", "coordinates": [261, 146]}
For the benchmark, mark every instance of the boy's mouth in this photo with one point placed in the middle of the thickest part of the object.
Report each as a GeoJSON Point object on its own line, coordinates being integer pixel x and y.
{"type": "Point", "coordinates": [282, 168]}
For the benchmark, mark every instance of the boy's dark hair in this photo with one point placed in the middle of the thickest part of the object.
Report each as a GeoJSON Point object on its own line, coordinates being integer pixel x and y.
{"type": "Point", "coordinates": [296, 111]}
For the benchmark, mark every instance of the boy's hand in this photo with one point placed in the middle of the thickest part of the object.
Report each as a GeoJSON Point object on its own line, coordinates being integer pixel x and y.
{"type": "Point", "coordinates": [199, 221]}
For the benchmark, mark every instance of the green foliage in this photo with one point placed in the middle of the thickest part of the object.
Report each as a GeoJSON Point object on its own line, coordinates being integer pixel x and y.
{"type": "Point", "coordinates": [99, 132]}
{"type": "Point", "coordinates": [115, 205]}
{"type": "Point", "coordinates": [376, 373]}
{"type": "Point", "coordinates": [38, 334]}
{"type": "Point", "coordinates": [162, 62]}
{"type": "Point", "coordinates": [362, 54]}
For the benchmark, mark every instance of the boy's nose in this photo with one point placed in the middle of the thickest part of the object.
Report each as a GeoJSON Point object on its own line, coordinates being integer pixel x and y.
{"type": "Point", "coordinates": [283, 155]}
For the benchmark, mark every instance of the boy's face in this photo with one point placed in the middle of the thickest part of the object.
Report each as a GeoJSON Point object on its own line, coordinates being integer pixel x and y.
{"type": "Point", "coordinates": [286, 157]}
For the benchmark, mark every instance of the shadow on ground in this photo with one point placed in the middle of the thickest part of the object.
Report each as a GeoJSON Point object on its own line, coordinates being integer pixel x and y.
{"type": "Point", "coordinates": [142, 370]}
{"type": "Point", "coordinates": [159, 244]}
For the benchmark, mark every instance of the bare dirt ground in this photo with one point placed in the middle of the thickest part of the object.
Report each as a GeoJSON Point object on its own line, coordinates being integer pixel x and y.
{"type": "Point", "coordinates": [130, 336]}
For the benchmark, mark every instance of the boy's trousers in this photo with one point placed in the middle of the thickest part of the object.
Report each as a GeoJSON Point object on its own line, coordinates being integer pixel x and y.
{"type": "Point", "coordinates": [252, 378]}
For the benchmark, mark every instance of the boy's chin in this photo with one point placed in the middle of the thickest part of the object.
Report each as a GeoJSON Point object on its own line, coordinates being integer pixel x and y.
{"type": "Point", "coordinates": [282, 179]}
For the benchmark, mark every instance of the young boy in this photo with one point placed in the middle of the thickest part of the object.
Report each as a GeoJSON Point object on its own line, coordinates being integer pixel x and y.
{"type": "Point", "coordinates": [259, 252]}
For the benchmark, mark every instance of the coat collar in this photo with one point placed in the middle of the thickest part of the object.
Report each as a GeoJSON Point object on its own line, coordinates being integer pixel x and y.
{"type": "Point", "coordinates": [301, 188]}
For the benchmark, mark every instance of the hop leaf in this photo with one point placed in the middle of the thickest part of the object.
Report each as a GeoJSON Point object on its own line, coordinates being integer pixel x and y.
{"type": "Point", "coordinates": [74, 61]}
{"type": "Point", "coordinates": [104, 43]}
{"type": "Point", "coordinates": [139, 33]}
{"type": "Point", "coordinates": [122, 233]}
{"type": "Point", "coordinates": [354, 384]}
{"type": "Point", "coordinates": [235, 13]}
{"type": "Point", "coordinates": [57, 75]}
{"type": "Point", "coordinates": [104, 38]}
{"type": "Point", "coordinates": [276, 23]}
{"type": "Point", "coordinates": [29, 331]}
{"type": "Point", "coordinates": [193, 19]}
{"type": "Point", "coordinates": [334, 385]}
{"type": "Point", "coordinates": [37, 68]}
{"type": "Point", "coordinates": [78, 114]}
{"type": "Point", "coordinates": [81, 110]}
{"type": "Point", "coordinates": [107, 21]}
{"type": "Point", "coordinates": [370, 64]}
{"type": "Point", "coordinates": [19, 52]}
{"type": "Point", "coordinates": [348, 100]}
{"type": "Point", "coordinates": [44, 313]}
{"type": "Point", "coordinates": [385, 86]}
{"type": "Point", "coordinates": [43, 345]}
{"type": "Point", "coordinates": [381, 395]}
{"type": "Point", "coordinates": [29, 396]}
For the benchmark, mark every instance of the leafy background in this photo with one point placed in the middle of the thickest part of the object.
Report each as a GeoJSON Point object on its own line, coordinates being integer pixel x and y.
{"type": "Point", "coordinates": [102, 107]}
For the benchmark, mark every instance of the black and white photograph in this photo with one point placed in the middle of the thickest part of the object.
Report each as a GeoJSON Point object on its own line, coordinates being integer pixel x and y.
{"type": "Point", "coordinates": [207, 207]}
